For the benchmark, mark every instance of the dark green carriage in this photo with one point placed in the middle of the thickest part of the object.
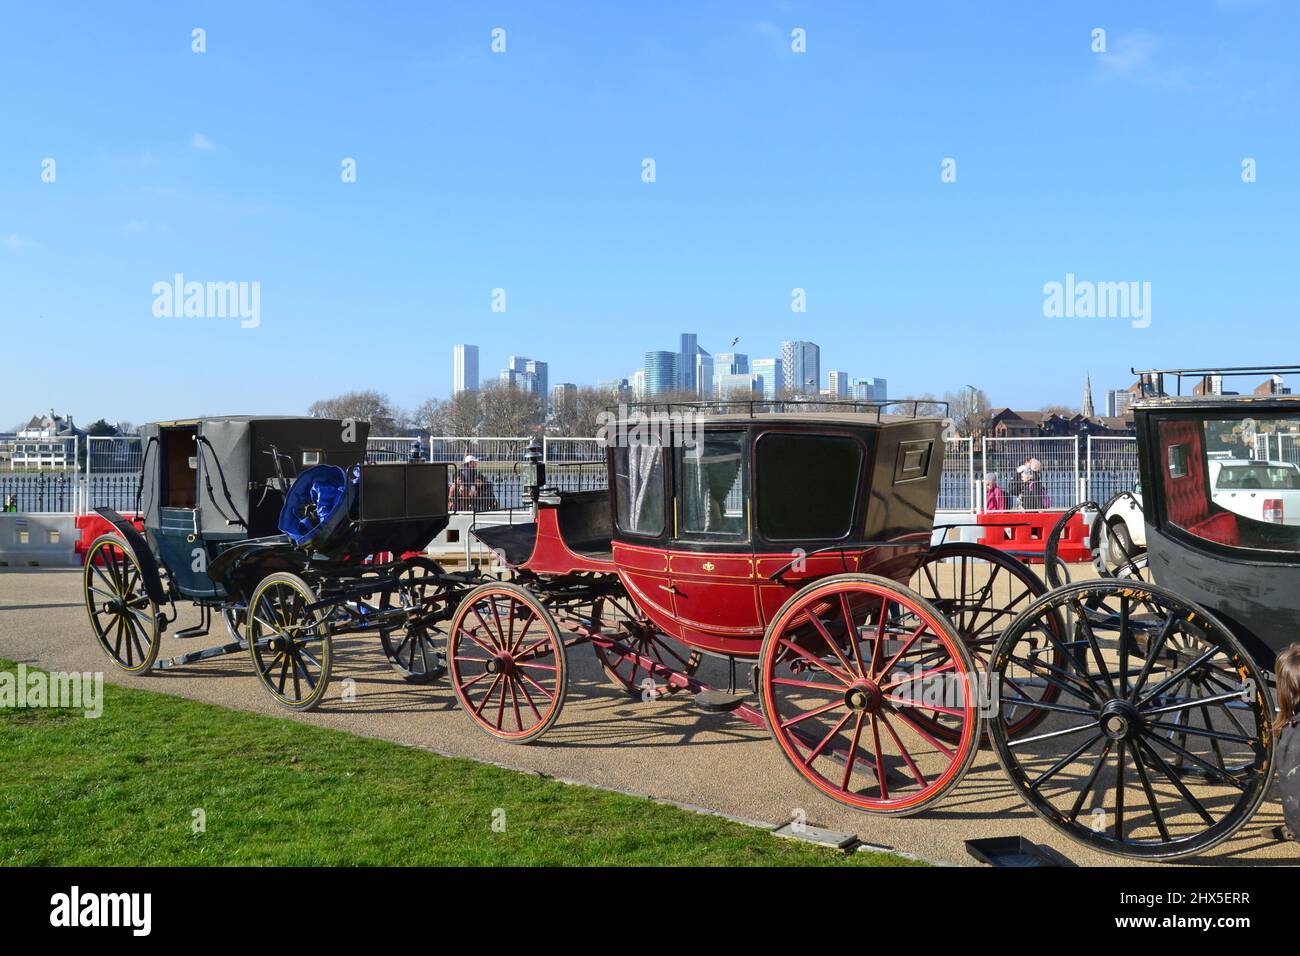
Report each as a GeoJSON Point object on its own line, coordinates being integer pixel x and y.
{"type": "Point", "coordinates": [214, 528]}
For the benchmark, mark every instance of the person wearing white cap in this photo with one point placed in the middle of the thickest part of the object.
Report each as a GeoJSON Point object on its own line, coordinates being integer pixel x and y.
{"type": "Point", "coordinates": [471, 491]}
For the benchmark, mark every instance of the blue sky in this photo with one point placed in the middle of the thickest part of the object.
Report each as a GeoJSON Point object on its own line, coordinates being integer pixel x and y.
{"type": "Point", "coordinates": [522, 171]}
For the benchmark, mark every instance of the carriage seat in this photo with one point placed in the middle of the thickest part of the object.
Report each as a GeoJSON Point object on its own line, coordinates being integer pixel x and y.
{"type": "Point", "coordinates": [584, 522]}
{"type": "Point", "coordinates": [1220, 527]}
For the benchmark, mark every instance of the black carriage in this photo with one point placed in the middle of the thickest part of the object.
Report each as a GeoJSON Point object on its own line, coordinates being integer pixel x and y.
{"type": "Point", "coordinates": [1160, 743]}
{"type": "Point", "coordinates": [281, 527]}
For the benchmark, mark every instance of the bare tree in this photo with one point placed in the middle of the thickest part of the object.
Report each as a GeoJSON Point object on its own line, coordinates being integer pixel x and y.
{"type": "Point", "coordinates": [970, 411]}
{"type": "Point", "coordinates": [369, 405]}
{"type": "Point", "coordinates": [578, 416]}
{"type": "Point", "coordinates": [926, 404]}
{"type": "Point", "coordinates": [509, 411]}
{"type": "Point", "coordinates": [1065, 411]}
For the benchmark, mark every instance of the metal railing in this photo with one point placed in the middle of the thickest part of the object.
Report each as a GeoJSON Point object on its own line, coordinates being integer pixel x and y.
{"type": "Point", "coordinates": [1070, 470]}
{"type": "Point", "coordinates": [957, 479]}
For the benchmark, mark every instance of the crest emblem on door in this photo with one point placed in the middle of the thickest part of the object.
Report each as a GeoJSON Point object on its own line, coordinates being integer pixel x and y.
{"type": "Point", "coordinates": [708, 565]}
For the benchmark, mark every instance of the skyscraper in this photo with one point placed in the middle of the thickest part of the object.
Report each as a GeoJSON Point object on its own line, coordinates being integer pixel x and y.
{"type": "Point", "coordinates": [765, 370]}
{"type": "Point", "coordinates": [464, 368]}
{"type": "Point", "coordinates": [526, 373]}
{"type": "Point", "coordinates": [868, 389]}
{"type": "Point", "coordinates": [731, 363]}
{"type": "Point", "coordinates": [688, 343]}
{"type": "Point", "coordinates": [703, 373]}
{"type": "Point", "coordinates": [660, 372]}
{"type": "Point", "coordinates": [838, 383]}
{"type": "Point", "coordinates": [745, 383]}
{"type": "Point", "coordinates": [801, 371]}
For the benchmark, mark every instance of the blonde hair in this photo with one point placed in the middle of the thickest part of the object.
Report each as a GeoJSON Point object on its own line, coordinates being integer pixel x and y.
{"type": "Point", "coordinates": [1288, 685]}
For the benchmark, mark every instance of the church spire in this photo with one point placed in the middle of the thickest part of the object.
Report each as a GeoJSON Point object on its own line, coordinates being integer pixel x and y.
{"type": "Point", "coordinates": [1087, 397]}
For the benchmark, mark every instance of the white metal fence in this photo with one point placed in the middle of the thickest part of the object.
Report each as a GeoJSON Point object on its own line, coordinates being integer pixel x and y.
{"type": "Point", "coordinates": [957, 481]}
{"type": "Point", "coordinates": [1112, 466]}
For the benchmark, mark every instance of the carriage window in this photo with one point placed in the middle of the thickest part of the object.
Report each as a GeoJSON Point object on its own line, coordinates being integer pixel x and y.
{"type": "Point", "coordinates": [639, 488]}
{"type": "Point", "coordinates": [711, 487]}
{"type": "Point", "coordinates": [1234, 481]}
{"type": "Point", "coordinates": [807, 486]}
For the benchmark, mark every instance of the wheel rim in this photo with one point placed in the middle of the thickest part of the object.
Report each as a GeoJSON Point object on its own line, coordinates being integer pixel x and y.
{"type": "Point", "coordinates": [621, 619]}
{"type": "Point", "coordinates": [506, 664]}
{"type": "Point", "coordinates": [124, 618]}
{"type": "Point", "coordinates": [1159, 744]}
{"type": "Point", "coordinates": [290, 645]}
{"type": "Point", "coordinates": [981, 594]}
{"type": "Point", "coordinates": [416, 650]}
{"type": "Point", "coordinates": [843, 709]}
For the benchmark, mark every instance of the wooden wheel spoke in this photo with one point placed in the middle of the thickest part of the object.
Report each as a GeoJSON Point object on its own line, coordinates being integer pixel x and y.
{"type": "Point", "coordinates": [812, 659]}
{"type": "Point", "coordinates": [1064, 762]}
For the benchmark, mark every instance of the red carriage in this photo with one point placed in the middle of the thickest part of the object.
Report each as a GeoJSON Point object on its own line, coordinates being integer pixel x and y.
{"type": "Point", "coordinates": [796, 540]}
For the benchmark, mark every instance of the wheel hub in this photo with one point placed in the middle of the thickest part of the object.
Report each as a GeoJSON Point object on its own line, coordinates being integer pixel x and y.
{"type": "Point", "coordinates": [863, 695]}
{"type": "Point", "coordinates": [1120, 720]}
{"type": "Point", "coordinates": [501, 664]}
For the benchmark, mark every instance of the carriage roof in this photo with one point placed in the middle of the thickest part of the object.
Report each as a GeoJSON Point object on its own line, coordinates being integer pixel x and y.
{"type": "Point", "coordinates": [724, 413]}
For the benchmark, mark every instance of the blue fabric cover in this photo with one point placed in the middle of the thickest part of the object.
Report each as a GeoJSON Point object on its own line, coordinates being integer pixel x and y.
{"type": "Point", "coordinates": [331, 492]}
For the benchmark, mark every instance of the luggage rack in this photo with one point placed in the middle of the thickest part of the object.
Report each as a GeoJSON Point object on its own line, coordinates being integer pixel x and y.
{"type": "Point", "coordinates": [1156, 376]}
{"type": "Point", "coordinates": [754, 407]}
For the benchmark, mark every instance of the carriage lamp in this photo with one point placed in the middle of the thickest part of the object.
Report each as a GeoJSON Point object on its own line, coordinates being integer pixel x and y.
{"type": "Point", "coordinates": [534, 471]}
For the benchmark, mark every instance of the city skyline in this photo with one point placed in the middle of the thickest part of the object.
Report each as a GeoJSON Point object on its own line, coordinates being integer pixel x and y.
{"type": "Point", "coordinates": [692, 369]}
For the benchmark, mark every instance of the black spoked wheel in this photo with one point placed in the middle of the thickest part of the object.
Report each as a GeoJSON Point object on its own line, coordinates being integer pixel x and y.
{"type": "Point", "coordinates": [417, 650]}
{"type": "Point", "coordinates": [1159, 744]}
{"type": "Point", "coordinates": [980, 590]}
{"type": "Point", "coordinates": [289, 641]}
{"type": "Point", "coordinates": [618, 617]}
{"type": "Point", "coordinates": [124, 618]}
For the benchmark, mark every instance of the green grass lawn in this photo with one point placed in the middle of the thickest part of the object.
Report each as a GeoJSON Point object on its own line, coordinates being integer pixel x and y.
{"type": "Point", "coordinates": [122, 790]}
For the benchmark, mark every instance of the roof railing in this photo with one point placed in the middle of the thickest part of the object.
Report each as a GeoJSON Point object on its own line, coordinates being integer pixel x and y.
{"type": "Point", "coordinates": [1201, 374]}
{"type": "Point", "coordinates": [909, 407]}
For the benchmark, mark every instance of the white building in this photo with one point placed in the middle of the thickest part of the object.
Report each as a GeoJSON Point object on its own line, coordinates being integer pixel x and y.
{"type": "Point", "coordinates": [464, 369]}
{"type": "Point", "coordinates": [838, 384]}
{"type": "Point", "coordinates": [47, 441]}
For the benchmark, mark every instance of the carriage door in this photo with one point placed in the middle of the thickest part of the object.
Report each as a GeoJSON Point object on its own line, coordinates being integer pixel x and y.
{"type": "Point", "coordinates": [711, 566]}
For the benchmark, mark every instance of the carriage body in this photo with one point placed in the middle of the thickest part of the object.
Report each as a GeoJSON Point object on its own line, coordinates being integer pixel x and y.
{"type": "Point", "coordinates": [712, 528]}
{"type": "Point", "coordinates": [212, 483]}
{"type": "Point", "coordinates": [1205, 537]}
{"type": "Point", "coordinates": [281, 528]}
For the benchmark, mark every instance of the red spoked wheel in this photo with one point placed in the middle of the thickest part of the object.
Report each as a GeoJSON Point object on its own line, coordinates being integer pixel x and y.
{"type": "Point", "coordinates": [856, 671]}
{"type": "Point", "coordinates": [506, 658]}
{"type": "Point", "coordinates": [618, 617]}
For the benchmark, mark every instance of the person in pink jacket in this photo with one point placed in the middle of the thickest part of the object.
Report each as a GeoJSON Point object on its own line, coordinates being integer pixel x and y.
{"type": "Point", "coordinates": [995, 499]}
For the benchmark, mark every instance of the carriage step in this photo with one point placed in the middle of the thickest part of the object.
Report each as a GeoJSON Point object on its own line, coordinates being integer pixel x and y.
{"type": "Point", "coordinates": [719, 701]}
